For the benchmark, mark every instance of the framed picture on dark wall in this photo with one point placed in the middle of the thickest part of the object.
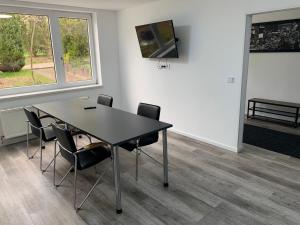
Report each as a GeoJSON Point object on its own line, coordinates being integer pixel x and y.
{"type": "Point", "coordinates": [277, 36]}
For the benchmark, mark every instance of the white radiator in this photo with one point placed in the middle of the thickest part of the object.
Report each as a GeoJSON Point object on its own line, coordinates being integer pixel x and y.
{"type": "Point", "coordinates": [13, 123]}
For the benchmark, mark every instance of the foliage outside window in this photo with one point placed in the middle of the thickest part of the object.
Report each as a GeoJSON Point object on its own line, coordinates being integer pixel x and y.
{"type": "Point", "coordinates": [11, 45]}
{"type": "Point", "coordinates": [76, 49]}
{"type": "Point", "coordinates": [30, 52]}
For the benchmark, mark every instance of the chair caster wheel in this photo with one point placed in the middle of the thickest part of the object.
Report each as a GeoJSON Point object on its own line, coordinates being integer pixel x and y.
{"type": "Point", "coordinates": [43, 147]}
{"type": "Point", "coordinates": [119, 211]}
{"type": "Point", "coordinates": [166, 184]}
{"type": "Point", "coordinates": [80, 136]}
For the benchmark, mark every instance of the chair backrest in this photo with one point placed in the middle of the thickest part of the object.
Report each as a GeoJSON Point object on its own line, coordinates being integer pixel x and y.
{"type": "Point", "coordinates": [105, 100]}
{"type": "Point", "coordinates": [152, 112]}
{"type": "Point", "coordinates": [148, 110]}
{"type": "Point", "coordinates": [36, 122]}
{"type": "Point", "coordinates": [66, 142]}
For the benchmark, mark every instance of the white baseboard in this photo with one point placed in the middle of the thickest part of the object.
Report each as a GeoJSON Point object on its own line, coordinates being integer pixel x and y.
{"type": "Point", "coordinates": [206, 140]}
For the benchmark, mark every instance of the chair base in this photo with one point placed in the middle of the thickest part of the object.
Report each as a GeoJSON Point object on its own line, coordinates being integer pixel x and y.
{"type": "Point", "coordinates": [32, 156]}
{"type": "Point", "coordinates": [166, 184]}
{"type": "Point", "coordinates": [119, 211]}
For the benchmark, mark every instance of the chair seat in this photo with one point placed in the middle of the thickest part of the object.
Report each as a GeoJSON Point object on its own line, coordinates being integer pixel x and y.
{"type": "Point", "coordinates": [49, 134]}
{"type": "Point", "coordinates": [131, 145]}
{"type": "Point", "coordinates": [96, 153]}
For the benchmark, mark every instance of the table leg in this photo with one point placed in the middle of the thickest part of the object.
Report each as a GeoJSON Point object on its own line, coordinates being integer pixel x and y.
{"type": "Point", "coordinates": [165, 155]}
{"type": "Point", "coordinates": [116, 168]}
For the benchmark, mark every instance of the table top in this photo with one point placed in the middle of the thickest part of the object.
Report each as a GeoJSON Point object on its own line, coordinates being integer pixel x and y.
{"type": "Point", "coordinates": [274, 102]}
{"type": "Point", "coordinates": [107, 124]}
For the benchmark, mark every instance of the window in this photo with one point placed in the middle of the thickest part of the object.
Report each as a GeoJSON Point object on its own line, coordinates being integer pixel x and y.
{"type": "Point", "coordinates": [43, 50]}
{"type": "Point", "coordinates": [75, 39]}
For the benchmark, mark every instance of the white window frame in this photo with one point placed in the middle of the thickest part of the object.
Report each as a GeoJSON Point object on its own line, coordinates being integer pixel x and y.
{"type": "Point", "coordinates": [57, 49]}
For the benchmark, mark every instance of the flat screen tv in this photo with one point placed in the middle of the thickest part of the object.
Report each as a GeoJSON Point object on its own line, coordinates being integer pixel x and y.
{"type": "Point", "coordinates": [157, 40]}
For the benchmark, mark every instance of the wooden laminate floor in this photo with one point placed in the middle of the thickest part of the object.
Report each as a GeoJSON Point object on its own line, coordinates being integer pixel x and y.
{"type": "Point", "coordinates": [208, 186]}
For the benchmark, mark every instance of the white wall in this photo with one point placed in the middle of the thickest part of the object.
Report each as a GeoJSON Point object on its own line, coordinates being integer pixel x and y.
{"type": "Point", "coordinates": [275, 75]}
{"type": "Point", "coordinates": [193, 94]}
{"type": "Point", "coordinates": [108, 46]}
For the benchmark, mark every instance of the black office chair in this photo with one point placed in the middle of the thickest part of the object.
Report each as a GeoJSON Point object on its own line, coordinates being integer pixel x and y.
{"type": "Point", "coordinates": [44, 133]}
{"type": "Point", "coordinates": [102, 100]}
{"type": "Point", "coordinates": [80, 159]}
{"type": "Point", "coordinates": [152, 112]}
{"type": "Point", "coordinates": [105, 100]}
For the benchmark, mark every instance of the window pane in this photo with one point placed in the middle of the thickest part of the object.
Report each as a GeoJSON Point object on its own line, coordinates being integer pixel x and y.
{"type": "Point", "coordinates": [26, 56]}
{"type": "Point", "coordinates": [75, 38]}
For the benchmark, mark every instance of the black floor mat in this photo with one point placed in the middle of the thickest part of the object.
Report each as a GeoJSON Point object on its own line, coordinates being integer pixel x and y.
{"type": "Point", "coordinates": [284, 143]}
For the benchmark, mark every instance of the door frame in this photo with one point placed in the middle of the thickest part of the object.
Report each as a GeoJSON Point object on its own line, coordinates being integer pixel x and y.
{"type": "Point", "coordinates": [246, 59]}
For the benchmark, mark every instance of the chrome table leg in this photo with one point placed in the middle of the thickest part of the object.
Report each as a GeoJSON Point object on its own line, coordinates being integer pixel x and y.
{"type": "Point", "coordinates": [165, 155]}
{"type": "Point", "coordinates": [117, 179]}
{"type": "Point", "coordinates": [136, 164]}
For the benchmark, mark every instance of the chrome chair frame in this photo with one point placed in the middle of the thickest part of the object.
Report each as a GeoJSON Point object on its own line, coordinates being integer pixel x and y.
{"type": "Point", "coordinates": [41, 146]}
{"type": "Point", "coordinates": [138, 152]}
{"type": "Point", "coordinates": [29, 125]}
{"type": "Point", "coordinates": [52, 161]}
{"type": "Point", "coordinates": [75, 174]}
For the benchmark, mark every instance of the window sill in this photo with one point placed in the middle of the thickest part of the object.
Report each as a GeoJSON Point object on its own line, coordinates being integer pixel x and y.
{"type": "Point", "coordinates": [40, 93]}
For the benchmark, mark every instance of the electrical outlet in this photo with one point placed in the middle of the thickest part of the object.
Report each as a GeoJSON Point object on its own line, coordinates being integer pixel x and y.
{"type": "Point", "coordinates": [230, 80]}
{"type": "Point", "coordinates": [164, 66]}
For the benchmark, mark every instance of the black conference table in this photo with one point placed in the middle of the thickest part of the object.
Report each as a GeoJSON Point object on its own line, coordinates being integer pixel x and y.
{"type": "Point", "coordinates": [110, 125]}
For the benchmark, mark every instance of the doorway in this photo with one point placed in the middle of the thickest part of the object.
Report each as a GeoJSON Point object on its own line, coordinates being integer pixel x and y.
{"type": "Point", "coordinates": [270, 83]}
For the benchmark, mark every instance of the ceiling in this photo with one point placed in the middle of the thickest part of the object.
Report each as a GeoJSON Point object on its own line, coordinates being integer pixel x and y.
{"type": "Point", "coordinates": [95, 4]}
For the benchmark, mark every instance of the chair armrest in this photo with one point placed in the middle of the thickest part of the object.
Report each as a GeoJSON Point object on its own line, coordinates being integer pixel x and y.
{"type": "Point", "coordinates": [51, 117]}
{"type": "Point", "coordinates": [59, 145]}
{"type": "Point", "coordinates": [46, 116]}
{"type": "Point", "coordinates": [90, 147]}
{"type": "Point", "coordinates": [43, 127]}
{"type": "Point", "coordinates": [78, 132]}
{"type": "Point", "coordinates": [73, 153]}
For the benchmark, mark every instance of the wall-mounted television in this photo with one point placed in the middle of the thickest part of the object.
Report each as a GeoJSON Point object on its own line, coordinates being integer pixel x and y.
{"type": "Point", "coordinates": [157, 40]}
